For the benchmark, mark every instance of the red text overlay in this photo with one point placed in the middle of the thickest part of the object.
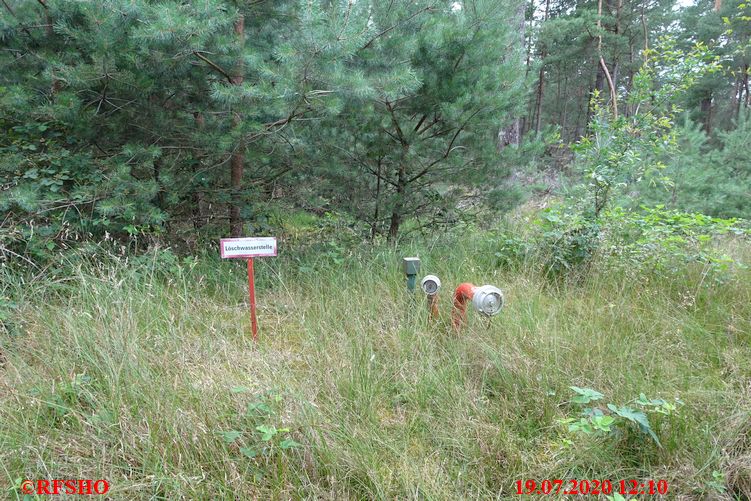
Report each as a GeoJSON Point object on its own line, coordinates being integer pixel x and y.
{"type": "Point", "coordinates": [81, 487]}
{"type": "Point", "coordinates": [593, 487]}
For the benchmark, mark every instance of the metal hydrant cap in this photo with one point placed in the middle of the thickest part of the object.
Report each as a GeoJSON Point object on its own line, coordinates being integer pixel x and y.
{"type": "Point", "coordinates": [430, 285]}
{"type": "Point", "coordinates": [488, 300]}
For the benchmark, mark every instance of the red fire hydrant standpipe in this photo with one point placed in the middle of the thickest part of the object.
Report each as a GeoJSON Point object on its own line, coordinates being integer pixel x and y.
{"type": "Point", "coordinates": [487, 300]}
{"type": "Point", "coordinates": [463, 294]}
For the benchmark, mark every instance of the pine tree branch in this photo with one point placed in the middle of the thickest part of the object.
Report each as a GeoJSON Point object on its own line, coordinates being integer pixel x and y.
{"type": "Point", "coordinates": [436, 119]}
{"type": "Point", "coordinates": [391, 135]}
{"type": "Point", "coordinates": [214, 65]}
{"type": "Point", "coordinates": [419, 124]}
{"type": "Point", "coordinates": [47, 16]}
{"type": "Point", "coordinates": [25, 29]}
{"type": "Point", "coordinates": [397, 128]}
{"type": "Point", "coordinates": [437, 134]}
{"type": "Point", "coordinates": [281, 123]}
{"type": "Point", "coordinates": [8, 8]}
{"type": "Point", "coordinates": [390, 28]}
{"type": "Point", "coordinates": [448, 151]}
{"type": "Point", "coordinates": [378, 175]}
{"type": "Point", "coordinates": [346, 20]}
{"type": "Point", "coordinates": [366, 166]}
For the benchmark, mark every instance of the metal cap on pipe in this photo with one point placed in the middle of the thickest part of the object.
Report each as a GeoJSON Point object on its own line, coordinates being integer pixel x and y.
{"type": "Point", "coordinates": [430, 285]}
{"type": "Point", "coordinates": [488, 300]}
{"type": "Point", "coordinates": [411, 265]}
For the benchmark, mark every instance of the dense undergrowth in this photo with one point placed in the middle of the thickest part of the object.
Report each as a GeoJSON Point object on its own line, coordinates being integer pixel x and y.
{"type": "Point", "coordinates": [141, 371]}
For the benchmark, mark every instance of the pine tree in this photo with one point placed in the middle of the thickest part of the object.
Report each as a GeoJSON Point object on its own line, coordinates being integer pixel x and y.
{"type": "Point", "coordinates": [416, 131]}
{"type": "Point", "coordinates": [123, 113]}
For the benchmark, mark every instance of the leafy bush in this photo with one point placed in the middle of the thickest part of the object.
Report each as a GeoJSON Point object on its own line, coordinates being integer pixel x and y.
{"type": "Point", "coordinates": [258, 438]}
{"type": "Point", "coordinates": [56, 194]}
{"type": "Point", "coordinates": [568, 241]}
{"type": "Point", "coordinates": [608, 420]}
{"type": "Point", "coordinates": [666, 240]}
{"type": "Point", "coordinates": [657, 240]}
{"type": "Point", "coordinates": [621, 153]}
{"type": "Point", "coordinates": [511, 251]}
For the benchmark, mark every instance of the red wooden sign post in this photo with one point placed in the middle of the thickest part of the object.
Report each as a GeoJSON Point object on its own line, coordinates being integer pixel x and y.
{"type": "Point", "coordinates": [248, 248]}
{"type": "Point", "coordinates": [252, 293]}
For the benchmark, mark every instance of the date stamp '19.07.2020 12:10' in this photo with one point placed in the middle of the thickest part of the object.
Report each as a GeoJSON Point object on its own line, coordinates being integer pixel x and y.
{"type": "Point", "coordinates": [593, 487]}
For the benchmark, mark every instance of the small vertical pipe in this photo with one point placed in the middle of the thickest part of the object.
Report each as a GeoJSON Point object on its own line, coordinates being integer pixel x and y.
{"type": "Point", "coordinates": [411, 281]}
{"type": "Point", "coordinates": [432, 306]}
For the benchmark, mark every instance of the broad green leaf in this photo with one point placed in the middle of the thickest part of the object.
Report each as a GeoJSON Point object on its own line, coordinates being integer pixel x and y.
{"type": "Point", "coordinates": [585, 395]}
{"type": "Point", "coordinates": [230, 436]}
{"type": "Point", "coordinates": [267, 432]}
{"type": "Point", "coordinates": [637, 417]}
{"type": "Point", "coordinates": [249, 452]}
{"type": "Point", "coordinates": [258, 408]}
{"type": "Point", "coordinates": [288, 443]}
{"type": "Point", "coordinates": [603, 423]}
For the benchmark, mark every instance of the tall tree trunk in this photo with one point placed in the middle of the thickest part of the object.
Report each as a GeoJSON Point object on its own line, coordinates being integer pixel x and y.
{"type": "Point", "coordinates": [511, 135]}
{"type": "Point", "coordinates": [558, 94]}
{"type": "Point", "coordinates": [737, 96]}
{"type": "Point", "coordinates": [48, 29]}
{"type": "Point", "coordinates": [527, 46]}
{"type": "Point", "coordinates": [160, 199]}
{"type": "Point", "coordinates": [564, 112]}
{"type": "Point", "coordinates": [629, 79]}
{"type": "Point", "coordinates": [706, 102]}
{"type": "Point", "coordinates": [645, 30]}
{"type": "Point", "coordinates": [47, 18]}
{"type": "Point", "coordinates": [237, 162]}
{"type": "Point", "coordinates": [200, 212]}
{"type": "Point", "coordinates": [376, 212]}
{"type": "Point", "coordinates": [578, 128]}
{"type": "Point", "coordinates": [540, 90]}
{"type": "Point", "coordinates": [598, 86]}
{"type": "Point", "coordinates": [616, 54]}
{"type": "Point", "coordinates": [603, 65]}
{"type": "Point", "coordinates": [396, 212]}
{"type": "Point", "coordinates": [706, 110]}
{"type": "Point", "coordinates": [541, 78]}
{"type": "Point", "coordinates": [529, 115]}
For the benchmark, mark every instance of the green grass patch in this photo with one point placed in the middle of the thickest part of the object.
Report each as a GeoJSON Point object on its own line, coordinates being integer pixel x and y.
{"type": "Point", "coordinates": [146, 376]}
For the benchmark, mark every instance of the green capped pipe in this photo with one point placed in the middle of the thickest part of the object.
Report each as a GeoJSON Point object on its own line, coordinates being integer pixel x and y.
{"type": "Point", "coordinates": [411, 267]}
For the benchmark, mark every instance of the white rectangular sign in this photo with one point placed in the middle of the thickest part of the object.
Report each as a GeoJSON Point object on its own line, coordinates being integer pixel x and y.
{"type": "Point", "coordinates": [248, 247]}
